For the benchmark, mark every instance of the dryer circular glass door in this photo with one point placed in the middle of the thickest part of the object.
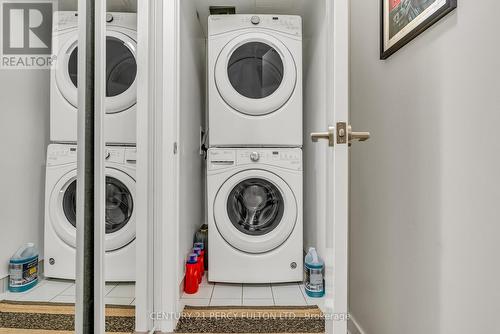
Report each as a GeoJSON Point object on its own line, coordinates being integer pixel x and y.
{"type": "Point", "coordinates": [255, 211]}
{"type": "Point", "coordinates": [255, 74]}
{"type": "Point", "coordinates": [119, 212]}
{"type": "Point", "coordinates": [121, 71]}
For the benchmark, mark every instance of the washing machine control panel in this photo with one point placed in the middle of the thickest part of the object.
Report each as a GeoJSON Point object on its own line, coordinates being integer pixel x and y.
{"type": "Point", "coordinates": [227, 158]}
{"type": "Point", "coordinates": [66, 154]}
{"type": "Point", "coordinates": [121, 155]}
{"type": "Point", "coordinates": [61, 154]}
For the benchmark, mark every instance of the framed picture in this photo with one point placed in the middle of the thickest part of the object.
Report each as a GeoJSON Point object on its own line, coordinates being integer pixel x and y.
{"type": "Point", "coordinates": [403, 20]}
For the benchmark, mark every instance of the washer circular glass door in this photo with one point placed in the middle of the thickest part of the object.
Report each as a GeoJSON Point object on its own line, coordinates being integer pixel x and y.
{"type": "Point", "coordinates": [121, 71]}
{"type": "Point", "coordinates": [255, 211]}
{"type": "Point", "coordinates": [120, 213]}
{"type": "Point", "coordinates": [255, 74]}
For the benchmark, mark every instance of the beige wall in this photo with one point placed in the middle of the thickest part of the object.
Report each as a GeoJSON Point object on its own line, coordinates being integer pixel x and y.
{"type": "Point", "coordinates": [425, 218]}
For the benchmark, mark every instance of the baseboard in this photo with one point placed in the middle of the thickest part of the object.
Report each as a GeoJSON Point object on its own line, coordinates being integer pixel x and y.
{"type": "Point", "coordinates": [353, 326]}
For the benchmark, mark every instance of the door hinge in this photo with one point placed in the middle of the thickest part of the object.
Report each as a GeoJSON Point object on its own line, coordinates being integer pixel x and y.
{"type": "Point", "coordinates": [341, 133]}
{"type": "Point", "coordinates": [175, 147]}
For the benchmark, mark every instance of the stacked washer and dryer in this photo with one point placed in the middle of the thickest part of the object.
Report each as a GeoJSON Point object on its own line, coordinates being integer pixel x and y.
{"type": "Point", "coordinates": [254, 168]}
{"type": "Point", "coordinates": [120, 137]}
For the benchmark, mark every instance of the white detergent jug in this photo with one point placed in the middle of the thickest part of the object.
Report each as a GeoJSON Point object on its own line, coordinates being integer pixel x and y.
{"type": "Point", "coordinates": [23, 269]}
{"type": "Point", "coordinates": [314, 279]}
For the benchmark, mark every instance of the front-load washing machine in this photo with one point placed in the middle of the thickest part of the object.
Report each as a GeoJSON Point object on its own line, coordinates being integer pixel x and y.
{"type": "Point", "coordinates": [60, 212]}
{"type": "Point", "coordinates": [255, 80]}
{"type": "Point", "coordinates": [255, 215]}
{"type": "Point", "coordinates": [121, 70]}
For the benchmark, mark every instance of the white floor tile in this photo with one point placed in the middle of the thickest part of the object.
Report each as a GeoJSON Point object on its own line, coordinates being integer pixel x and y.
{"type": "Point", "coordinates": [47, 291]}
{"type": "Point", "coordinates": [110, 286]}
{"type": "Point", "coordinates": [18, 295]}
{"type": "Point", "coordinates": [63, 299]}
{"type": "Point", "coordinates": [288, 294]}
{"type": "Point", "coordinates": [13, 295]}
{"type": "Point", "coordinates": [194, 302]}
{"type": "Point", "coordinates": [286, 291]}
{"type": "Point", "coordinates": [257, 291]}
{"type": "Point", "coordinates": [225, 302]}
{"type": "Point", "coordinates": [290, 302]}
{"type": "Point", "coordinates": [122, 291]}
{"type": "Point", "coordinates": [118, 300]}
{"type": "Point", "coordinates": [258, 302]}
{"type": "Point", "coordinates": [227, 291]}
{"type": "Point", "coordinates": [71, 291]}
{"type": "Point", "coordinates": [204, 292]}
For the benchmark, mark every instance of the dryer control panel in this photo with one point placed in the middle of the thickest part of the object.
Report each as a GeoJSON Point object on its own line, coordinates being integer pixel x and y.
{"type": "Point", "coordinates": [69, 20]}
{"type": "Point", "coordinates": [220, 158]}
{"type": "Point", "coordinates": [287, 24]}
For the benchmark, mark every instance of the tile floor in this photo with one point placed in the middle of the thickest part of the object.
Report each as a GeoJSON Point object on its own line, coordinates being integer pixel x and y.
{"type": "Point", "coordinates": [219, 294]}
{"type": "Point", "coordinates": [209, 294]}
{"type": "Point", "coordinates": [62, 291]}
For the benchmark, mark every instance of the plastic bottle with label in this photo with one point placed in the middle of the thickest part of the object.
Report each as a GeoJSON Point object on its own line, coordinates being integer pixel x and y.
{"type": "Point", "coordinates": [191, 281]}
{"type": "Point", "coordinates": [198, 253]}
{"type": "Point", "coordinates": [202, 236]}
{"type": "Point", "coordinates": [314, 278]}
{"type": "Point", "coordinates": [202, 256]}
{"type": "Point", "coordinates": [23, 269]}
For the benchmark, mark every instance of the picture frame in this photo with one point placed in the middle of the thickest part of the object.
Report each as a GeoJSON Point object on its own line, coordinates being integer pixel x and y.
{"type": "Point", "coordinates": [403, 20]}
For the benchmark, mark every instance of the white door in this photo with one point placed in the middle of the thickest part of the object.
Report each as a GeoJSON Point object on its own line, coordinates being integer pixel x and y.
{"type": "Point", "coordinates": [121, 70]}
{"type": "Point", "coordinates": [255, 74]}
{"type": "Point", "coordinates": [338, 134]}
{"type": "Point", "coordinates": [119, 210]}
{"type": "Point", "coordinates": [248, 222]}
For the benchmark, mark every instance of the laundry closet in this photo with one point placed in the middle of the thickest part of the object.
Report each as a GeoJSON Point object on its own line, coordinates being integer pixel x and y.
{"type": "Point", "coordinates": [297, 171]}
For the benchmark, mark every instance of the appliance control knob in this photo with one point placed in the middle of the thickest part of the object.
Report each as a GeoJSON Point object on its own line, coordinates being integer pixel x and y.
{"type": "Point", "coordinates": [255, 20]}
{"type": "Point", "coordinates": [109, 18]}
{"type": "Point", "coordinates": [254, 156]}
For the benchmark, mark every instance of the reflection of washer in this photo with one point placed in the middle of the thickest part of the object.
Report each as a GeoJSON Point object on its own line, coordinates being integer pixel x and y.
{"type": "Point", "coordinates": [255, 80]}
{"type": "Point", "coordinates": [60, 215]}
{"type": "Point", "coordinates": [255, 215]}
{"type": "Point", "coordinates": [121, 70]}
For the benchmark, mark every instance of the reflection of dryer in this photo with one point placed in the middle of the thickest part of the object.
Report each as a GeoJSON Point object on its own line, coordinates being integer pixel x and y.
{"type": "Point", "coordinates": [121, 70]}
{"type": "Point", "coordinates": [60, 213]}
{"type": "Point", "coordinates": [255, 215]}
{"type": "Point", "coordinates": [255, 80]}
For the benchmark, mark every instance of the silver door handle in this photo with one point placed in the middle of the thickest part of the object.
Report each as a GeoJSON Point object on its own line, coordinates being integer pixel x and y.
{"type": "Point", "coordinates": [329, 135]}
{"type": "Point", "coordinates": [359, 136]}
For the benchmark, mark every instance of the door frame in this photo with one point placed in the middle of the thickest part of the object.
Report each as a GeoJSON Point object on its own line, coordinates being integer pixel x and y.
{"type": "Point", "coordinates": [98, 253]}
{"type": "Point", "coordinates": [157, 165]}
{"type": "Point", "coordinates": [338, 159]}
